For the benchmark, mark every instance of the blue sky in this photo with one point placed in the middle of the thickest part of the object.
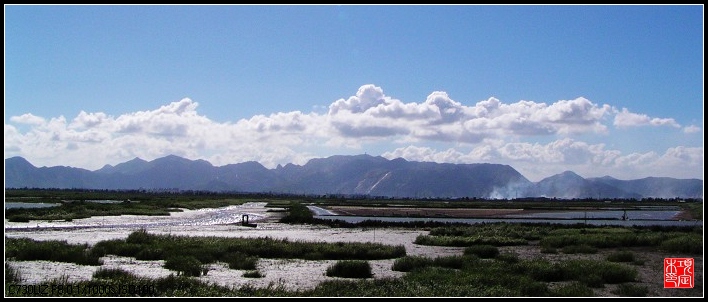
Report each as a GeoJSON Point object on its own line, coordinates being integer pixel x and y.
{"type": "Point", "coordinates": [599, 90]}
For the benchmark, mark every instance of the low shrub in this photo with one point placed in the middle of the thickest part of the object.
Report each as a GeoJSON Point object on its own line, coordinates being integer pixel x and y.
{"type": "Point", "coordinates": [573, 289]}
{"type": "Point", "coordinates": [579, 249]}
{"type": "Point", "coordinates": [187, 265]}
{"type": "Point", "coordinates": [241, 261]}
{"type": "Point", "coordinates": [621, 256]}
{"type": "Point", "coordinates": [350, 269]}
{"type": "Point", "coordinates": [253, 274]}
{"type": "Point", "coordinates": [112, 273]}
{"type": "Point", "coordinates": [482, 251]}
{"type": "Point", "coordinates": [631, 290]}
{"type": "Point", "coordinates": [692, 244]}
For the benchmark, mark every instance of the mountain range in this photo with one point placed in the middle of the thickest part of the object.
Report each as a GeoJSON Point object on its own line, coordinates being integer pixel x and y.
{"type": "Point", "coordinates": [363, 175]}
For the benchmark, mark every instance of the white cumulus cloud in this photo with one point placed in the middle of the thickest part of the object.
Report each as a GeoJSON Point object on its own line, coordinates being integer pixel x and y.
{"type": "Point", "coordinates": [28, 118]}
{"type": "Point", "coordinates": [537, 161]}
{"type": "Point", "coordinates": [629, 119]}
{"type": "Point", "coordinates": [486, 131]}
{"type": "Point", "coordinates": [691, 129]}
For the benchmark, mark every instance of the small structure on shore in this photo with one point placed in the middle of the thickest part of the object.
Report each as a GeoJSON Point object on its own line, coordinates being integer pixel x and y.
{"type": "Point", "coordinates": [244, 221]}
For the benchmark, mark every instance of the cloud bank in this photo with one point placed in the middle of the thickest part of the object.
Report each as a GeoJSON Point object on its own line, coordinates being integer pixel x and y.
{"type": "Point", "coordinates": [488, 131]}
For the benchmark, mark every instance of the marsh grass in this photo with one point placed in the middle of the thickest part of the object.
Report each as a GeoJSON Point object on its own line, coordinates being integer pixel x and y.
{"type": "Point", "coordinates": [480, 278]}
{"type": "Point", "coordinates": [113, 273]}
{"type": "Point", "coordinates": [188, 255]}
{"type": "Point", "coordinates": [462, 241]}
{"type": "Point", "coordinates": [25, 249]}
{"type": "Point", "coordinates": [573, 289]}
{"type": "Point", "coordinates": [297, 213]}
{"type": "Point", "coordinates": [508, 257]}
{"type": "Point", "coordinates": [608, 272]}
{"type": "Point", "coordinates": [502, 229]}
{"type": "Point", "coordinates": [116, 284]}
{"type": "Point", "coordinates": [590, 272]}
{"type": "Point", "coordinates": [482, 251]}
{"type": "Point", "coordinates": [12, 276]}
{"type": "Point", "coordinates": [549, 250]}
{"type": "Point", "coordinates": [410, 263]}
{"type": "Point", "coordinates": [631, 290]}
{"type": "Point", "coordinates": [579, 249]}
{"type": "Point", "coordinates": [622, 256]}
{"type": "Point", "coordinates": [186, 265]}
{"type": "Point", "coordinates": [253, 274]}
{"type": "Point", "coordinates": [68, 211]}
{"type": "Point", "coordinates": [350, 269]}
{"type": "Point", "coordinates": [684, 243]}
{"type": "Point", "coordinates": [238, 260]}
{"type": "Point", "coordinates": [667, 240]}
{"type": "Point", "coordinates": [569, 239]}
{"type": "Point", "coordinates": [211, 249]}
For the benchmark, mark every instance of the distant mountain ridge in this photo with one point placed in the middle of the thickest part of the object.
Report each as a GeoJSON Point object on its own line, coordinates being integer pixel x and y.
{"type": "Point", "coordinates": [344, 175]}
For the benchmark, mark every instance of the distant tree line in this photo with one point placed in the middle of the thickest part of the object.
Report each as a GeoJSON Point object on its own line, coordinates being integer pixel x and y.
{"type": "Point", "coordinates": [137, 193]}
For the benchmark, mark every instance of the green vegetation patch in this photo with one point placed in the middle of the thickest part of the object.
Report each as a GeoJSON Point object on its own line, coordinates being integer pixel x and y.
{"type": "Point", "coordinates": [350, 269]}
{"type": "Point", "coordinates": [482, 251]}
{"type": "Point", "coordinates": [240, 253]}
{"type": "Point", "coordinates": [25, 249]}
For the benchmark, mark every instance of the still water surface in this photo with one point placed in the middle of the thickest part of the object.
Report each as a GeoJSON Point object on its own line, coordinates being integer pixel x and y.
{"type": "Point", "coordinates": [663, 217]}
{"type": "Point", "coordinates": [234, 214]}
